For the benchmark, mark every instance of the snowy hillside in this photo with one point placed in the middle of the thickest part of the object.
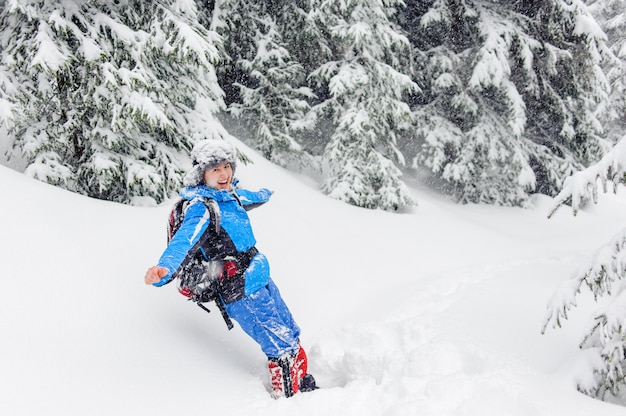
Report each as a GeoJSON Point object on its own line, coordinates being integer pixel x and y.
{"type": "Point", "coordinates": [436, 312]}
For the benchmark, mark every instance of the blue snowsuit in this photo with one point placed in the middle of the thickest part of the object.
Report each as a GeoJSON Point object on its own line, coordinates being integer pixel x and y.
{"type": "Point", "coordinates": [259, 309]}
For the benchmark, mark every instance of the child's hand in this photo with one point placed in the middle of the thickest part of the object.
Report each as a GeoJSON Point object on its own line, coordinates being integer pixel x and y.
{"type": "Point", "coordinates": [154, 274]}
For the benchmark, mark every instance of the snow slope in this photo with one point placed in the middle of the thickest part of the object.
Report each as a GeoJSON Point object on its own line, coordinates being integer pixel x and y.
{"type": "Point", "coordinates": [433, 312]}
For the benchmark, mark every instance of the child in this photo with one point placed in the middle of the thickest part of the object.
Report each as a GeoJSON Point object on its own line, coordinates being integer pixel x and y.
{"type": "Point", "coordinates": [226, 254]}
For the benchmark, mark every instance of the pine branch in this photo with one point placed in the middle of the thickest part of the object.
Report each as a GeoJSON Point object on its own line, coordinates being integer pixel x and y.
{"type": "Point", "coordinates": [583, 186]}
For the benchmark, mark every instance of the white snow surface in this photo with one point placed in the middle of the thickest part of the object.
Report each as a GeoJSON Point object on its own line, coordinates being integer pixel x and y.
{"type": "Point", "coordinates": [434, 312]}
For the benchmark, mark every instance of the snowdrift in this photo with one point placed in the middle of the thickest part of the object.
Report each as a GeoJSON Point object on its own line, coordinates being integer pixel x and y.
{"type": "Point", "coordinates": [433, 312]}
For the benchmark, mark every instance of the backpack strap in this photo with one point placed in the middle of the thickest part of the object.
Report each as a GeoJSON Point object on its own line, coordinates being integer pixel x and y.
{"type": "Point", "coordinates": [214, 223]}
{"type": "Point", "coordinates": [215, 216]}
{"type": "Point", "coordinates": [220, 305]}
{"type": "Point", "coordinates": [214, 212]}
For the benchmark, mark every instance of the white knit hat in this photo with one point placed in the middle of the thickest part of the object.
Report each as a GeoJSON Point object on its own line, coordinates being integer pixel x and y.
{"type": "Point", "coordinates": [207, 154]}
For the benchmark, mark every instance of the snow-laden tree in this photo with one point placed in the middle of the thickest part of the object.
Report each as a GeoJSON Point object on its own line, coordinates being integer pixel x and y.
{"type": "Point", "coordinates": [604, 274]}
{"type": "Point", "coordinates": [274, 100]}
{"type": "Point", "coordinates": [611, 16]}
{"type": "Point", "coordinates": [236, 22]}
{"type": "Point", "coordinates": [509, 93]}
{"type": "Point", "coordinates": [104, 96]}
{"type": "Point", "coordinates": [264, 80]}
{"type": "Point", "coordinates": [367, 85]}
{"type": "Point", "coordinates": [305, 39]}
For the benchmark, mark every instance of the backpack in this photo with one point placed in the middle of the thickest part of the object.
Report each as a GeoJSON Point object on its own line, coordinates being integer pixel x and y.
{"type": "Point", "coordinates": [193, 282]}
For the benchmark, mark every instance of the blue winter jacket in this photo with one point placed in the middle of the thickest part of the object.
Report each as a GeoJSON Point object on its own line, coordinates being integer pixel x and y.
{"type": "Point", "coordinates": [233, 219]}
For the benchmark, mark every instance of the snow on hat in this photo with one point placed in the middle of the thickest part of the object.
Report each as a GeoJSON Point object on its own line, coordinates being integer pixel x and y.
{"type": "Point", "coordinates": [207, 154]}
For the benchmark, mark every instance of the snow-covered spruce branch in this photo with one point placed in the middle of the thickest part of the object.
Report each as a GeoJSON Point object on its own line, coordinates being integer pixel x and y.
{"type": "Point", "coordinates": [607, 333]}
{"type": "Point", "coordinates": [563, 299]}
{"type": "Point", "coordinates": [599, 274]}
{"type": "Point", "coordinates": [605, 276]}
{"type": "Point", "coordinates": [583, 186]}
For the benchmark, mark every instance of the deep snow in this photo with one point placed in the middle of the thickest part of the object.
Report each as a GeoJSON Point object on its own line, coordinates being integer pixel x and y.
{"type": "Point", "coordinates": [433, 312]}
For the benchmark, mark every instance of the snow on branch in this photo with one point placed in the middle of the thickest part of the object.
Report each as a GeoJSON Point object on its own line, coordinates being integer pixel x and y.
{"type": "Point", "coordinates": [563, 299]}
{"type": "Point", "coordinates": [605, 276]}
{"type": "Point", "coordinates": [48, 55]}
{"type": "Point", "coordinates": [7, 111]}
{"type": "Point", "coordinates": [606, 335]}
{"type": "Point", "coordinates": [602, 274]}
{"type": "Point", "coordinates": [186, 39]}
{"type": "Point", "coordinates": [146, 107]}
{"type": "Point", "coordinates": [583, 185]}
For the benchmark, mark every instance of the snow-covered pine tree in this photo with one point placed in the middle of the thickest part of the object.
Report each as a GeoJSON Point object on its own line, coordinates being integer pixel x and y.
{"type": "Point", "coordinates": [611, 16]}
{"type": "Point", "coordinates": [366, 91]}
{"type": "Point", "coordinates": [605, 276]}
{"type": "Point", "coordinates": [509, 93]}
{"type": "Point", "coordinates": [236, 22]}
{"type": "Point", "coordinates": [265, 87]}
{"type": "Point", "coordinates": [306, 41]}
{"type": "Point", "coordinates": [275, 99]}
{"type": "Point", "coordinates": [308, 44]}
{"type": "Point", "coordinates": [107, 94]}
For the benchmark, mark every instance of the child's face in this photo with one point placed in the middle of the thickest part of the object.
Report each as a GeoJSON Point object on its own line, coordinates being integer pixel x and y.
{"type": "Point", "coordinates": [219, 177]}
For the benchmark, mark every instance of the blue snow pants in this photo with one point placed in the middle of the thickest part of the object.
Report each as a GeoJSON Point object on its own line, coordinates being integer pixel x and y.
{"type": "Point", "coordinates": [264, 316]}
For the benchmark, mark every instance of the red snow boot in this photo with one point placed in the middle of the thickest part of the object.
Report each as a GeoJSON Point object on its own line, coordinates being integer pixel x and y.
{"type": "Point", "coordinates": [299, 368]}
{"type": "Point", "coordinates": [286, 373]}
{"type": "Point", "coordinates": [280, 377]}
{"type": "Point", "coordinates": [305, 381]}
